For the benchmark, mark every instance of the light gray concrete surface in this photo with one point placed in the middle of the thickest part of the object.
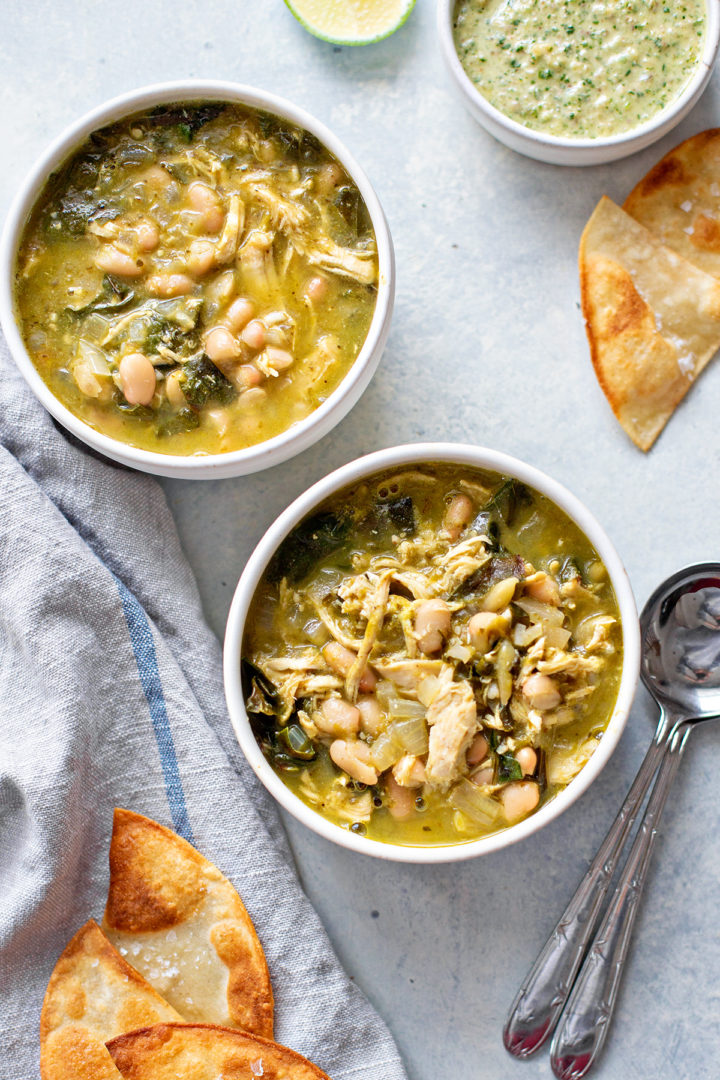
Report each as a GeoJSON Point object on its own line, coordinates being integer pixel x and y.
{"type": "Point", "coordinates": [487, 346]}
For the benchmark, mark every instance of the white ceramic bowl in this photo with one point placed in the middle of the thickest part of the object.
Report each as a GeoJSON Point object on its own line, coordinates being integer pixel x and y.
{"type": "Point", "coordinates": [564, 151]}
{"type": "Point", "coordinates": [302, 434]}
{"type": "Point", "coordinates": [349, 474]}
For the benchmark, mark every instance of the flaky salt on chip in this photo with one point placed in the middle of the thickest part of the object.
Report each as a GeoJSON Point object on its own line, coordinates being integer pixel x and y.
{"type": "Point", "coordinates": [652, 320]}
{"type": "Point", "coordinates": [206, 1052]}
{"type": "Point", "coordinates": [184, 927]}
{"type": "Point", "coordinates": [92, 996]}
{"type": "Point", "coordinates": [679, 200]}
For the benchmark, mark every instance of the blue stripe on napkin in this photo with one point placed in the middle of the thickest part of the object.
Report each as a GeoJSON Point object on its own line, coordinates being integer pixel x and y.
{"type": "Point", "coordinates": [146, 659]}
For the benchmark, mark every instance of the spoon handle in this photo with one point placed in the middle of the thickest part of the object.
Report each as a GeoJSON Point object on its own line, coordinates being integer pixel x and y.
{"type": "Point", "coordinates": [586, 1020]}
{"type": "Point", "coordinates": [541, 998]}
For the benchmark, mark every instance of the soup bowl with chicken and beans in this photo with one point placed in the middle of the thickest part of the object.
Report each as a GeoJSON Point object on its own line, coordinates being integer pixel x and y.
{"type": "Point", "coordinates": [432, 653]}
{"type": "Point", "coordinates": [198, 280]}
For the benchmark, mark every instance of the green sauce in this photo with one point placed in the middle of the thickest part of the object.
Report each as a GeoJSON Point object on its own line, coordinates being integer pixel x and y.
{"type": "Point", "coordinates": [579, 68]}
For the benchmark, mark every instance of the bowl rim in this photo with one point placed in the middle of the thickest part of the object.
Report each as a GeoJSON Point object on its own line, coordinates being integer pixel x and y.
{"type": "Point", "coordinates": [346, 475]}
{"type": "Point", "coordinates": [658, 125]}
{"type": "Point", "coordinates": [300, 435]}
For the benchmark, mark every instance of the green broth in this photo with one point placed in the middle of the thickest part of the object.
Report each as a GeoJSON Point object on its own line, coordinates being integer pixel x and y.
{"type": "Point", "coordinates": [399, 519]}
{"type": "Point", "coordinates": [226, 248]}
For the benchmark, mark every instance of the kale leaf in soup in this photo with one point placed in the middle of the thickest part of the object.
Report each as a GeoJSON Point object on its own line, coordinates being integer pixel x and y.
{"type": "Point", "coordinates": [197, 279]}
{"type": "Point", "coordinates": [432, 655]}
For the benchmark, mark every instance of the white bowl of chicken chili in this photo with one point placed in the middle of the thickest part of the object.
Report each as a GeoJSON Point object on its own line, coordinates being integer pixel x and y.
{"type": "Point", "coordinates": [198, 279]}
{"type": "Point", "coordinates": [431, 654]}
{"type": "Point", "coordinates": [579, 82]}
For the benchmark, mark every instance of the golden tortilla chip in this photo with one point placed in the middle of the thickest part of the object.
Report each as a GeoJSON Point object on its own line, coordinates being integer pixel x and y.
{"type": "Point", "coordinates": [182, 924]}
{"type": "Point", "coordinates": [679, 200]}
{"type": "Point", "coordinates": [92, 996]}
{"type": "Point", "coordinates": [652, 320]}
{"type": "Point", "coordinates": [206, 1052]}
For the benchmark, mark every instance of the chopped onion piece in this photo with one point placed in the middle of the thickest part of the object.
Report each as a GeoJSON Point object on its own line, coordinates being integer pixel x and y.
{"type": "Point", "coordinates": [385, 751]}
{"type": "Point", "coordinates": [460, 652]}
{"type": "Point", "coordinates": [92, 357]}
{"type": "Point", "coordinates": [427, 689]}
{"type": "Point", "coordinates": [95, 327]}
{"type": "Point", "coordinates": [469, 800]}
{"type": "Point", "coordinates": [385, 692]}
{"type": "Point", "coordinates": [539, 612]}
{"type": "Point", "coordinates": [566, 762]}
{"type": "Point", "coordinates": [402, 709]}
{"type": "Point", "coordinates": [411, 733]}
{"type": "Point", "coordinates": [525, 635]}
{"type": "Point", "coordinates": [556, 637]}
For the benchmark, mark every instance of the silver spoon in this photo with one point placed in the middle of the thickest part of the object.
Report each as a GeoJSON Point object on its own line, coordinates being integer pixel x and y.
{"type": "Point", "coordinates": [680, 628]}
{"type": "Point", "coordinates": [540, 1000]}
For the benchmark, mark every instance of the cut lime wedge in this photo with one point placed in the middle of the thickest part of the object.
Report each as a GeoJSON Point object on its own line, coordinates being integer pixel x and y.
{"type": "Point", "coordinates": [351, 22]}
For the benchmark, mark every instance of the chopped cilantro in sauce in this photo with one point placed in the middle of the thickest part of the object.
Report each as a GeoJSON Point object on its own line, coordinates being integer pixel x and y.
{"type": "Point", "coordinates": [580, 68]}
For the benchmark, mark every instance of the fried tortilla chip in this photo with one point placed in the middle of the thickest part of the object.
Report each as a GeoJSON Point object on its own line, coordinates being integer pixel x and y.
{"type": "Point", "coordinates": [652, 320]}
{"type": "Point", "coordinates": [206, 1052]}
{"type": "Point", "coordinates": [679, 200]}
{"type": "Point", "coordinates": [182, 924]}
{"type": "Point", "coordinates": [93, 995]}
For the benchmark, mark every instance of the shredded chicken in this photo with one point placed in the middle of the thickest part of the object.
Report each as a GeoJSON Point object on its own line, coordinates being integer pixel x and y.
{"type": "Point", "coordinates": [375, 619]}
{"type": "Point", "coordinates": [257, 265]}
{"type": "Point", "coordinates": [227, 245]}
{"type": "Point", "coordinates": [452, 719]}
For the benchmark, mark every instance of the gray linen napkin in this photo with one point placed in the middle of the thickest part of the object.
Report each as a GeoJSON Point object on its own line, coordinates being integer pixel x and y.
{"type": "Point", "coordinates": [111, 694]}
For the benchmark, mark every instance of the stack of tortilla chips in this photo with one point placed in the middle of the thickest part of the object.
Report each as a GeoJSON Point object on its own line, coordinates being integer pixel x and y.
{"type": "Point", "coordinates": [177, 984]}
{"type": "Point", "coordinates": [650, 286]}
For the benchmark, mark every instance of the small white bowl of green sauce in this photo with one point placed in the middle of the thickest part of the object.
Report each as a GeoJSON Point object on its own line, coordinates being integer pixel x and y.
{"type": "Point", "coordinates": [574, 82]}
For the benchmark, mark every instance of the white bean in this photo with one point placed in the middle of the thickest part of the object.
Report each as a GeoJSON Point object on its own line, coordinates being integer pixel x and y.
{"type": "Point", "coordinates": [527, 760]}
{"type": "Point", "coordinates": [337, 717]}
{"type": "Point", "coordinates": [252, 398]}
{"type": "Point", "coordinates": [409, 771]}
{"type": "Point", "coordinates": [278, 359]}
{"type": "Point", "coordinates": [254, 334]}
{"type": "Point", "coordinates": [545, 589]}
{"type": "Point", "coordinates": [401, 800]}
{"type": "Point", "coordinates": [541, 692]}
{"type": "Point", "coordinates": [341, 660]}
{"type": "Point", "coordinates": [239, 314]}
{"type": "Point", "coordinates": [353, 758]}
{"type": "Point", "coordinates": [157, 178]}
{"type": "Point", "coordinates": [207, 204]}
{"type": "Point", "coordinates": [148, 235]}
{"type": "Point", "coordinates": [499, 595]}
{"type": "Point", "coordinates": [478, 750]}
{"type": "Point", "coordinates": [482, 776]}
{"type": "Point", "coordinates": [372, 718]}
{"type": "Point", "coordinates": [221, 345]}
{"type": "Point", "coordinates": [173, 389]}
{"type": "Point", "coordinates": [113, 261]}
{"type": "Point", "coordinates": [168, 285]}
{"type": "Point", "coordinates": [137, 376]}
{"type": "Point", "coordinates": [519, 799]}
{"type": "Point", "coordinates": [484, 629]}
{"type": "Point", "coordinates": [316, 289]}
{"type": "Point", "coordinates": [201, 258]}
{"type": "Point", "coordinates": [458, 514]}
{"type": "Point", "coordinates": [432, 625]}
{"type": "Point", "coordinates": [248, 376]}
{"type": "Point", "coordinates": [328, 177]}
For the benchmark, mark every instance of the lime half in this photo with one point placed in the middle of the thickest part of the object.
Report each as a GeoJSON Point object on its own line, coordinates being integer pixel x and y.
{"type": "Point", "coordinates": [351, 22]}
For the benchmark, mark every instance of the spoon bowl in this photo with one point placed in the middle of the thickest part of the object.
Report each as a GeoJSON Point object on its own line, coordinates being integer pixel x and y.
{"type": "Point", "coordinates": [681, 645]}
